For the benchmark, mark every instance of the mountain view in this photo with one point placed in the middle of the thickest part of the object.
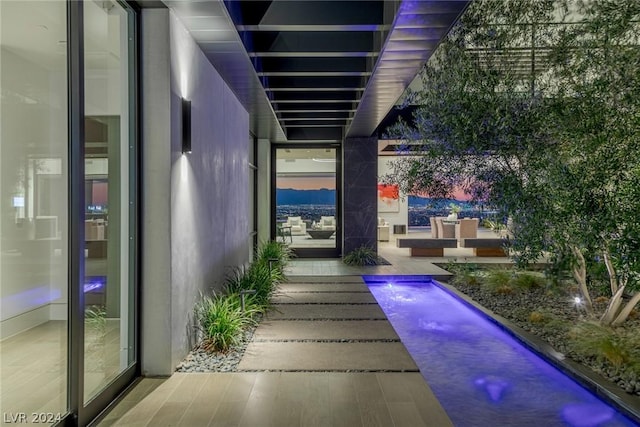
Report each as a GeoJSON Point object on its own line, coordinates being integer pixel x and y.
{"type": "Point", "coordinates": [289, 196]}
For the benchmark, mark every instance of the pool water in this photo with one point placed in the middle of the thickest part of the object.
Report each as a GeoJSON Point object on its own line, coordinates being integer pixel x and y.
{"type": "Point", "coordinates": [481, 375]}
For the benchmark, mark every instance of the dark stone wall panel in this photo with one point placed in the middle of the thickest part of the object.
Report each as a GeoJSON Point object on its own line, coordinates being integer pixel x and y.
{"type": "Point", "coordinates": [360, 177]}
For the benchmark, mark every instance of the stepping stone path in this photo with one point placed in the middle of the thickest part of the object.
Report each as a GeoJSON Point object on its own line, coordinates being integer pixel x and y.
{"type": "Point", "coordinates": [328, 327]}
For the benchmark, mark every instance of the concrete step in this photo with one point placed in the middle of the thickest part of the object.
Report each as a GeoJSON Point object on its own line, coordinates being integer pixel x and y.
{"type": "Point", "coordinates": [324, 278]}
{"type": "Point", "coordinates": [323, 287]}
{"type": "Point", "coordinates": [325, 311]}
{"type": "Point", "coordinates": [325, 330]}
{"type": "Point", "coordinates": [323, 298]}
{"type": "Point", "coordinates": [312, 356]}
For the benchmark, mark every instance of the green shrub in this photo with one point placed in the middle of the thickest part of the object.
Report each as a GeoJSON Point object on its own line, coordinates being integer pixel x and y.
{"type": "Point", "coordinates": [536, 317]}
{"type": "Point", "coordinates": [257, 277]}
{"type": "Point", "coordinates": [273, 250]}
{"type": "Point", "coordinates": [528, 280]}
{"type": "Point", "coordinates": [95, 318]}
{"type": "Point", "coordinates": [602, 343]}
{"type": "Point", "coordinates": [364, 255]}
{"type": "Point", "coordinates": [222, 321]}
{"type": "Point", "coordinates": [498, 281]}
{"type": "Point", "coordinates": [463, 273]}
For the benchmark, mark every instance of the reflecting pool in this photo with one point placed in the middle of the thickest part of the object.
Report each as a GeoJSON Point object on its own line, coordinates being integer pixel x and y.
{"type": "Point", "coordinates": [481, 375]}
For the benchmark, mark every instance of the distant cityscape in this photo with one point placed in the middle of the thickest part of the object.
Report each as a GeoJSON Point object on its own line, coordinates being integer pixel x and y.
{"type": "Point", "coordinates": [308, 213]}
{"type": "Point", "coordinates": [310, 205]}
{"type": "Point", "coordinates": [421, 208]}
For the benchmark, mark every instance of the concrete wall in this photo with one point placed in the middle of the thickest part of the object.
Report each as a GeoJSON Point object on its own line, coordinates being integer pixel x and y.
{"type": "Point", "coordinates": [195, 206]}
{"type": "Point", "coordinates": [264, 190]}
{"type": "Point", "coordinates": [360, 168]}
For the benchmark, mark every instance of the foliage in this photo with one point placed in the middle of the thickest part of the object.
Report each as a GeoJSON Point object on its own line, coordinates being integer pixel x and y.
{"type": "Point", "coordinates": [257, 278]}
{"type": "Point", "coordinates": [499, 281]}
{"type": "Point", "coordinates": [222, 320]}
{"type": "Point", "coordinates": [262, 276]}
{"type": "Point", "coordinates": [221, 317]}
{"type": "Point", "coordinates": [536, 317]}
{"type": "Point", "coordinates": [361, 256]}
{"type": "Point", "coordinates": [602, 343]}
{"type": "Point", "coordinates": [463, 273]}
{"type": "Point", "coordinates": [550, 142]}
{"type": "Point", "coordinates": [526, 280]}
{"type": "Point", "coordinates": [274, 250]}
{"type": "Point", "coordinates": [95, 317]}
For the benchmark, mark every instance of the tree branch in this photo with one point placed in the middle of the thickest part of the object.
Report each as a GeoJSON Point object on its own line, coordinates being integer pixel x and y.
{"type": "Point", "coordinates": [613, 279]}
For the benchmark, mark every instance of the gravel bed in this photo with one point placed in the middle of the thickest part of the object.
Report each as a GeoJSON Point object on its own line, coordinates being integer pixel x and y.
{"type": "Point", "coordinates": [199, 360]}
{"type": "Point", "coordinates": [518, 306]}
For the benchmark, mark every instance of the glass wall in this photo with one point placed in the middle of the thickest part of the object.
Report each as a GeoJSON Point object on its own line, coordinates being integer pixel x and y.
{"type": "Point", "coordinates": [306, 198]}
{"type": "Point", "coordinates": [34, 213]}
{"type": "Point", "coordinates": [108, 348]}
{"type": "Point", "coordinates": [40, 369]}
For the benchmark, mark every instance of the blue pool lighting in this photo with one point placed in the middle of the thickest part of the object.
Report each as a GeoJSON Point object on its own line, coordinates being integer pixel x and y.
{"type": "Point", "coordinates": [482, 375]}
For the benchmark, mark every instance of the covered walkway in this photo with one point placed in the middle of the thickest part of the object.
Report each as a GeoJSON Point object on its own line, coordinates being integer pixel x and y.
{"type": "Point", "coordinates": [325, 355]}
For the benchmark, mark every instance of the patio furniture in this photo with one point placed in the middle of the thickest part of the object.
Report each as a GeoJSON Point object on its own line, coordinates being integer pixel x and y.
{"type": "Point", "coordinates": [327, 223]}
{"type": "Point", "coordinates": [486, 247]}
{"type": "Point", "coordinates": [467, 228]}
{"type": "Point", "coordinates": [383, 230]}
{"type": "Point", "coordinates": [284, 231]}
{"type": "Point", "coordinates": [399, 229]}
{"type": "Point", "coordinates": [434, 227]}
{"type": "Point", "coordinates": [320, 234]}
{"type": "Point", "coordinates": [427, 247]}
{"type": "Point", "coordinates": [298, 226]}
{"type": "Point", "coordinates": [446, 229]}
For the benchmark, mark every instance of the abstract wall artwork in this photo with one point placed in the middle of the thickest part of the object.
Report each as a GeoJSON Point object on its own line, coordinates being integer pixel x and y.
{"type": "Point", "coordinates": [388, 198]}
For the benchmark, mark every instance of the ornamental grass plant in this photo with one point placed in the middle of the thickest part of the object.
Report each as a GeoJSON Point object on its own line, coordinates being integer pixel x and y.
{"type": "Point", "coordinates": [222, 320]}
{"type": "Point", "coordinates": [221, 317]}
{"type": "Point", "coordinates": [362, 256]}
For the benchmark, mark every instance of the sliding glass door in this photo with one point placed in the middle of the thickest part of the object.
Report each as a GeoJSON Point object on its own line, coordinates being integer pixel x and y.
{"type": "Point", "coordinates": [108, 279]}
{"type": "Point", "coordinates": [34, 214]}
{"type": "Point", "coordinates": [68, 208]}
{"type": "Point", "coordinates": [307, 208]}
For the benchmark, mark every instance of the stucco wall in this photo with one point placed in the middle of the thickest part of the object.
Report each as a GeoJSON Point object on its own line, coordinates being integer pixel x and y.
{"type": "Point", "coordinates": [195, 206]}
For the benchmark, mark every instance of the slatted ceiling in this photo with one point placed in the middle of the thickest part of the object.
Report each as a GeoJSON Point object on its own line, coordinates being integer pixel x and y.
{"type": "Point", "coordinates": [315, 83]}
{"type": "Point", "coordinates": [418, 26]}
{"type": "Point", "coordinates": [317, 47]}
{"type": "Point", "coordinates": [313, 43]}
{"type": "Point", "coordinates": [313, 69]}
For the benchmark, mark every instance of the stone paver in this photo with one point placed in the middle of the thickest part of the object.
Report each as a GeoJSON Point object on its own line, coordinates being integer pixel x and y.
{"type": "Point", "coordinates": [296, 399]}
{"type": "Point", "coordinates": [324, 298]}
{"type": "Point", "coordinates": [325, 311]}
{"type": "Point", "coordinates": [325, 330]}
{"type": "Point", "coordinates": [320, 356]}
{"type": "Point", "coordinates": [323, 287]}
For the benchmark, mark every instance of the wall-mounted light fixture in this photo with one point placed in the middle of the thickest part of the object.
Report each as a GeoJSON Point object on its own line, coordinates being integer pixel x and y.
{"type": "Point", "coordinates": [186, 126]}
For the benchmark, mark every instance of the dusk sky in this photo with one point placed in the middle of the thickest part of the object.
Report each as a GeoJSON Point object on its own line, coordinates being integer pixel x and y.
{"type": "Point", "coordinates": [457, 195]}
{"type": "Point", "coordinates": [306, 183]}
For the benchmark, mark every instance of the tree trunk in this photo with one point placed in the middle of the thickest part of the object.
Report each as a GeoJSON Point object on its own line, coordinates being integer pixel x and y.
{"type": "Point", "coordinates": [627, 310]}
{"type": "Point", "coordinates": [613, 280]}
{"type": "Point", "coordinates": [580, 274]}
{"type": "Point", "coordinates": [612, 309]}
